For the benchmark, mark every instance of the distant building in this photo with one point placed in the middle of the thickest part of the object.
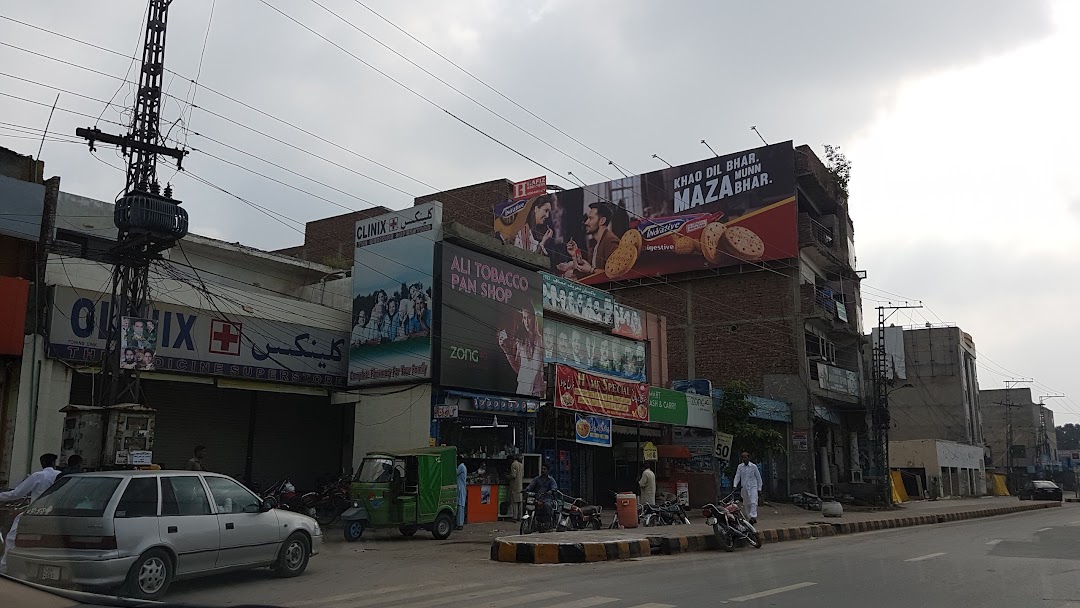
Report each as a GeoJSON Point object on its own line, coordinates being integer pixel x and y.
{"type": "Point", "coordinates": [935, 468]}
{"type": "Point", "coordinates": [1034, 442]}
{"type": "Point", "coordinates": [935, 387]}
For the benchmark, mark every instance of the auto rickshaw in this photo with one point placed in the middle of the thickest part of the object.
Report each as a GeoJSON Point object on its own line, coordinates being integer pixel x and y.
{"type": "Point", "coordinates": [408, 491]}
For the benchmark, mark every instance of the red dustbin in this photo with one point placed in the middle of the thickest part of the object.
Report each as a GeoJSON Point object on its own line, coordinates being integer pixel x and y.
{"type": "Point", "coordinates": [626, 509]}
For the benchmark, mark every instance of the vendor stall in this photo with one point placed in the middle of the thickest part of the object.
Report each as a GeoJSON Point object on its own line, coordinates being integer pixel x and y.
{"type": "Point", "coordinates": [487, 431]}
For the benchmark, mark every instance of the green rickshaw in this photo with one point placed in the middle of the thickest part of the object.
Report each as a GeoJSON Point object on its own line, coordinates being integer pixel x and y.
{"type": "Point", "coordinates": [405, 490]}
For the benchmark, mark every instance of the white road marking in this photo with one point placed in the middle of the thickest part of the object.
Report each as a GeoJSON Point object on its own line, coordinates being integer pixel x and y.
{"type": "Point", "coordinates": [754, 596]}
{"type": "Point", "coordinates": [1043, 529]}
{"type": "Point", "coordinates": [922, 557]}
{"type": "Point", "coordinates": [518, 600]}
{"type": "Point", "coordinates": [994, 542]}
{"type": "Point", "coordinates": [348, 596]}
{"type": "Point", "coordinates": [461, 599]}
{"type": "Point", "coordinates": [654, 606]}
{"type": "Point", "coordinates": [396, 597]}
{"type": "Point", "coordinates": [1073, 523]}
{"type": "Point", "coordinates": [587, 602]}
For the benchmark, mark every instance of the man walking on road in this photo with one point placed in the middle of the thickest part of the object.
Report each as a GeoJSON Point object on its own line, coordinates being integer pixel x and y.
{"type": "Point", "coordinates": [32, 486]}
{"type": "Point", "coordinates": [462, 476]}
{"type": "Point", "coordinates": [748, 477]}
{"type": "Point", "coordinates": [517, 475]}
{"type": "Point", "coordinates": [648, 485]}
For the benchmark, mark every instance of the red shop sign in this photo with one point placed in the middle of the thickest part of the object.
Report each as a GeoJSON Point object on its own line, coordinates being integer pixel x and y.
{"type": "Point", "coordinates": [595, 394]}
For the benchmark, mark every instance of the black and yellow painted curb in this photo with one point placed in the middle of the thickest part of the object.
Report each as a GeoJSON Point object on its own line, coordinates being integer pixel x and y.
{"type": "Point", "coordinates": [574, 553]}
{"type": "Point", "coordinates": [568, 553]}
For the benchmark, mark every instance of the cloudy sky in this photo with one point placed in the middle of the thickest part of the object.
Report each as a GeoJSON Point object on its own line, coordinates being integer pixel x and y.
{"type": "Point", "coordinates": [959, 119]}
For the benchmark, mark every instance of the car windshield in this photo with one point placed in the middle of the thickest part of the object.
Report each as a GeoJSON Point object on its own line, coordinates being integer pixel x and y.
{"type": "Point", "coordinates": [376, 470]}
{"type": "Point", "coordinates": [76, 497]}
{"type": "Point", "coordinates": [1044, 484]}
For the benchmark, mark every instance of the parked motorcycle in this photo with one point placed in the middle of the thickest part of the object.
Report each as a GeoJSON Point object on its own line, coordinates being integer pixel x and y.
{"type": "Point", "coordinates": [576, 514]}
{"type": "Point", "coordinates": [331, 500]}
{"type": "Point", "coordinates": [539, 519]}
{"type": "Point", "coordinates": [283, 495]}
{"type": "Point", "coordinates": [672, 512]}
{"type": "Point", "coordinates": [730, 524]}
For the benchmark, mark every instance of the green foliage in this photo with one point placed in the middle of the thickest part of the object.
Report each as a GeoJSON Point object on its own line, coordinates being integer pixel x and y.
{"type": "Point", "coordinates": [839, 166]}
{"type": "Point", "coordinates": [1068, 437]}
{"type": "Point", "coordinates": [733, 416]}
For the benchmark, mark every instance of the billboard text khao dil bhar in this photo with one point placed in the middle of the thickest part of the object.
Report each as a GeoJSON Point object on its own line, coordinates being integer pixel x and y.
{"type": "Point", "coordinates": [595, 394]}
{"type": "Point", "coordinates": [722, 211]}
{"type": "Point", "coordinates": [492, 311]}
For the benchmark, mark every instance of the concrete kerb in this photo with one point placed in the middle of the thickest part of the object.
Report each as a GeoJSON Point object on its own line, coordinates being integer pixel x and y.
{"type": "Point", "coordinates": [541, 552]}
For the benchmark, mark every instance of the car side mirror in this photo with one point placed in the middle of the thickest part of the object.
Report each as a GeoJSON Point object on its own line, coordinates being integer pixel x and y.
{"type": "Point", "coordinates": [265, 506]}
{"type": "Point", "coordinates": [262, 507]}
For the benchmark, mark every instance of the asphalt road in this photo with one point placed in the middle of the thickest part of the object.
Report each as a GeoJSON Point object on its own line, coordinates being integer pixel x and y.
{"type": "Point", "coordinates": [1026, 559]}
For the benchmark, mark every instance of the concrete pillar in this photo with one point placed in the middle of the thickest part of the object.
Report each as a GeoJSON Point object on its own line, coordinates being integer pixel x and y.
{"type": "Point", "coordinates": [44, 388]}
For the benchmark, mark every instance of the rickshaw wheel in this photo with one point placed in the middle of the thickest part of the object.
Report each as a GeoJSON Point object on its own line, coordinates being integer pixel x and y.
{"type": "Point", "coordinates": [353, 530]}
{"type": "Point", "coordinates": [407, 530]}
{"type": "Point", "coordinates": [443, 526]}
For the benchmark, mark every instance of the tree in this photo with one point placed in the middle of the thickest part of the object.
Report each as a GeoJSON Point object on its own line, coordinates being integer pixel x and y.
{"type": "Point", "coordinates": [839, 167]}
{"type": "Point", "coordinates": [733, 417]}
{"type": "Point", "coordinates": [1068, 436]}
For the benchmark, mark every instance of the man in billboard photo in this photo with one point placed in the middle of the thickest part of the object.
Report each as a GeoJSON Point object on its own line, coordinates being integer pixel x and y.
{"type": "Point", "coordinates": [562, 300]}
{"type": "Point", "coordinates": [420, 323]}
{"type": "Point", "coordinates": [524, 351]}
{"type": "Point", "coordinates": [129, 359]}
{"type": "Point", "coordinates": [604, 361]}
{"type": "Point", "coordinates": [603, 240]}
{"type": "Point", "coordinates": [147, 361]}
{"type": "Point", "coordinates": [549, 340]}
{"type": "Point", "coordinates": [577, 348]}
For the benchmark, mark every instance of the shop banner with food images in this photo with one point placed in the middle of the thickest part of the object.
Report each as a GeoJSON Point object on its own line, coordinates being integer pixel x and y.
{"type": "Point", "coordinates": [722, 211]}
{"type": "Point", "coordinates": [592, 430]}
{"type": "Point", "coordinates": [595, 394]}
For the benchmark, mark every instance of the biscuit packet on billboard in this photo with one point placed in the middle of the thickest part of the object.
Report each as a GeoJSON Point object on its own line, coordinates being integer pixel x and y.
{"type": "Point", "coordinates": [673, 235]}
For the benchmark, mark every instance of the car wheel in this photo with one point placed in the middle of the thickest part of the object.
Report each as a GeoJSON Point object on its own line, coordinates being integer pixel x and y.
{"type": "Point", "coordinates": [353, 530]}
{"type": "Point", "coordinates": [293, 557]}
{"type": "Point", "coordinates": [443, 526]}
{"type": "Point", "coordinates": [407, 530]}
{"type": "Point", "coordinates": [150, 575]}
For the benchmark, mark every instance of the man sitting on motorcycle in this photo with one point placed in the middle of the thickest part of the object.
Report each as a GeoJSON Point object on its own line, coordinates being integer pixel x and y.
{"type": "Point", "coordinates": [544, 486]}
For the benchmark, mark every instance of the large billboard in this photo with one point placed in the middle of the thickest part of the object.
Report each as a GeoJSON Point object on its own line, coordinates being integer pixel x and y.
{"type": "Point", "coordinates": [193, 341]}
{"type": "Point", "coordinates": [592, 350]}
{"type": "Point", "coordinates": [717, 212]}
{"type": "Point", "coordinates": [392, 276]}
{"type": "Point", "coordinates": [491, 316]}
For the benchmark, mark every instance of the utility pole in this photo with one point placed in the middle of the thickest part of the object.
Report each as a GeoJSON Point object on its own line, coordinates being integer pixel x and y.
{"type": "Point", "coordinates": [1009, 384]}
{"type": "Point", "coordinates": [149, 221]}
{"type": "Point", "coordinates": [881, 419]}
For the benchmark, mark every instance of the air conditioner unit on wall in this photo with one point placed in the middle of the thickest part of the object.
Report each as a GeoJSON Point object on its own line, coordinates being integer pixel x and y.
{"type": "Point", "coordinates": [856, 477]}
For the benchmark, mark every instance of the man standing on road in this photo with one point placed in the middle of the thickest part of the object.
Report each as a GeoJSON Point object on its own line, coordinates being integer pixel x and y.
{"type": "Point", "coordinates": [748, 477]}
{"type": "Point", "coordinates": [517, 475]}
{"type": "Point", "coordinates": [195, 464]}
{"type": "Point", "coordinates": [32, 486]}
{"type": "Point", "coordinates": [462, 476]}
{"type": "Point", "coordinates": [648, 485]}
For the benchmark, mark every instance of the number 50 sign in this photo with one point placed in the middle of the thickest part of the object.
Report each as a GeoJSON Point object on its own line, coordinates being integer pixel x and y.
{"type": "Point", "coordinates": [723, 445]}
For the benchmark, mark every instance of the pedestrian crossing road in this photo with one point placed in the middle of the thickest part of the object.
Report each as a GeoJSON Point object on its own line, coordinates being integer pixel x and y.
{"type": "Point", "coordinates": [475, 595]}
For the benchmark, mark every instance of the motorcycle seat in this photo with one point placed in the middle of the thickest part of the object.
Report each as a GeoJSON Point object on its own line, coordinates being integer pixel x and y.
{"type": "Point", "coordinates": [588, 510]}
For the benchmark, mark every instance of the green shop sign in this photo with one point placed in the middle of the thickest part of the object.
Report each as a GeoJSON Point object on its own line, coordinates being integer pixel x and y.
{"type": "Point", "coordinates": [680, 409]}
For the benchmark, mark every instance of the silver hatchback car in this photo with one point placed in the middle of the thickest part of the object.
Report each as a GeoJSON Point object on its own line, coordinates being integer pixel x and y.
{"type": "Point", "coordinates": [145, 529]}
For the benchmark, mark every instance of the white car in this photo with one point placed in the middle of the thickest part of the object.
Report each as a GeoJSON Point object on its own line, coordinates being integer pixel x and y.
{"type": "Point", "coordinates": [144, 529]}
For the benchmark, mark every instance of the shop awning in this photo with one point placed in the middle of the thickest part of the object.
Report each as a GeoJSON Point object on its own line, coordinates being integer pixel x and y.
{"type": "Point", "coordinates": [673, 451]}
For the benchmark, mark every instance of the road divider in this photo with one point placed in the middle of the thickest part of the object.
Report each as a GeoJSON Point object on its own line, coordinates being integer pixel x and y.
{"type": "Point", "coordinates": [606, 545]}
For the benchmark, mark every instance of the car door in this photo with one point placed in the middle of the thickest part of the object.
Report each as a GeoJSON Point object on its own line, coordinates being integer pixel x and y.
{"type": "Point", "coordinates": [248, 535]}
{"type": "Point", "coordinates": [187, 523]}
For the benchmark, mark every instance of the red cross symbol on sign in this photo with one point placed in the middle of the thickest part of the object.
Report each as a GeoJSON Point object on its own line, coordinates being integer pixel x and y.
{"type": "Point", "coordinates": [225, 337]}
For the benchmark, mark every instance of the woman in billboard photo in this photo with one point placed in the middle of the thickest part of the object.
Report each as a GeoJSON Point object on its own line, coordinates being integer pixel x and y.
{"type": "Point", "coordinates": [525, 353]}
{"type": "Point", "coordinates": [536, 232]}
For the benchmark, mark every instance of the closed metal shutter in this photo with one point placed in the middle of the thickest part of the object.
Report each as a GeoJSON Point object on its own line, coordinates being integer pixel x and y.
{"type": "Point", "coordinates": [299, 437]}
{"type": "Point", "coordinates": [199, 414]}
